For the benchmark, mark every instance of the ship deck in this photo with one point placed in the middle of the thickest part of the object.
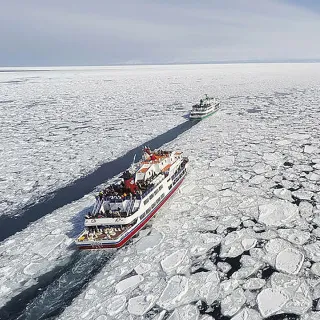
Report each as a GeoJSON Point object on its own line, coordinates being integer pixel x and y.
{"type": "Point", "coordinates": [106, 234]}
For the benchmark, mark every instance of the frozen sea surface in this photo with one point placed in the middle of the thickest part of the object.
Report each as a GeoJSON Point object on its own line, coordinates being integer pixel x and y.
{"type": "Point", "coordinates": [229, 244]}
{"type": "Point", "coordinates": [9, 224]}
{"type": "Point", "coordinates": [59, 125]}
{"type": "Point", "coordinates": [243, 227]}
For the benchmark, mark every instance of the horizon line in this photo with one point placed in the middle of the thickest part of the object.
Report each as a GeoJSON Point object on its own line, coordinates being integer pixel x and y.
{"type": "Point", "coordinates": [250, 61]}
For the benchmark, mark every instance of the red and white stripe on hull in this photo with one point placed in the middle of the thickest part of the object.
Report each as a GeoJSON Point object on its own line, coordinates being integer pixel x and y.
{"type": "Point", "coordinates": [122, 242]}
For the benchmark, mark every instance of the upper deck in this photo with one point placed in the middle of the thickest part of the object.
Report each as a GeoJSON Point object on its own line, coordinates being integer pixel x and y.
{"type": "Point", "coordinates": [204, 104]}
{"type": "Point", "coordinates": [125, 212]}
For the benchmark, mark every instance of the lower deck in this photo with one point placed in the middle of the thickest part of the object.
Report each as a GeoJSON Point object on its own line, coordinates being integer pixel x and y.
{"type": "Point", "coordinates": [116, 236]}
{"type": "Point", "coordinates": [103, 233]}
{"type": "Point", "coordinates": [199, 116]}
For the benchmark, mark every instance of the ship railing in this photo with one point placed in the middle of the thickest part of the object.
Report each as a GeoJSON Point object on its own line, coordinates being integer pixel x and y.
{"type": "Point", "coordinates": [112, 215]}
{"type": "Point", "coordinates": [130, 206]}
{"type": "Point", "coordinates": [149, 190]}
{"type": "Point", "coordinates": [179, 172]}
{"type": "Point", "coordinates": [97, 206]}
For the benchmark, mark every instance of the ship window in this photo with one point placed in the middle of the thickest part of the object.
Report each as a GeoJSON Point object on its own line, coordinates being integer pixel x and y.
{"type": "Point", "coordinates": [162, 196]}
{"type": "Point", "coordinates": [160, 187]}
{"type": "Point", "coordinates": [156, 191]}
{"type": "Point", "coordinates": [158, 200]}
{"type": "Point", "coordinates": [148, 211]}
{"type": "Point", "coordinates": [153, 205]}
{"type": "Point", "coordinates": [145, 201]}
{"type": "Point", "coordinates": [151, 196]}
{"type": "Point", "coordinates": [170, 187]}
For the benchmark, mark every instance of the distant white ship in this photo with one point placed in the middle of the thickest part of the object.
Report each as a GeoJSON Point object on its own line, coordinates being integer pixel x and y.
{"type": "Point", "coordinates": [205, 108]}
{"type": "Point", "coordinates": [122, 209]}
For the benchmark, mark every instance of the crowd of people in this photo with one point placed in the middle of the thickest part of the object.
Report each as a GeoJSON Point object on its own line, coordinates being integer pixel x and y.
{"type": "Point", "coordinates": [117, 192]}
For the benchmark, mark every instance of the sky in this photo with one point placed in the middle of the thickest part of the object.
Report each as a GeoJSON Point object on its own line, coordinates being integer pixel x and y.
{"type": "Point", "coordinates": [105, 32]}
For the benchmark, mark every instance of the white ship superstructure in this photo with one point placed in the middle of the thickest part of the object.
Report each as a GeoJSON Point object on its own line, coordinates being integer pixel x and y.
{"type": "Point", "coordinates": [122, 209]}
{"type": "Point", "coordinates": [205, 108]}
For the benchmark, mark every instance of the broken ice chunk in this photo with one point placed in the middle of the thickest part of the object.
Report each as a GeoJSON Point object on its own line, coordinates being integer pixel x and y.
{"type": "Point", "coordinates": [176, 289]}
{"type": "Point", "coordinates": [289, 260]}
{"type": "Point", "coordinates": [278, 213]}
{"type": "Point", "coordinates": [270, 301]}
{"type": "Point", "coordinates": [254, 284]}
{"type": "Point", "coordinates": [188, 312]}
{"type": "Point", "coordinates": [171, 262]}
{"type": "Point", "coordinates": [231, 304]}
{"type": "Point", "coordinates": [141, 304]}
{"type": "Point", "coordinates": [116, 304]}
{"type": "Point", "coordinates": [129, 284]}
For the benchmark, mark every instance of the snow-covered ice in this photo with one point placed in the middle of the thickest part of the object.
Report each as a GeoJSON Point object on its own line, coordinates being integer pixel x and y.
{"type": "Point", "coordinates": [278, 213]}
{"type": "Point", "coordinates": [58, 126]}
{"type": "Point", "coordinates": [289, 261]}
{"type": "Point", "coordinates": [270, 301]}
{"type": "Point", "coordinates": [141, 304]}
{"type": "Point", "coordinates": [241, 239]}
{"type": "Point", "coordinates": [129, 284]}
{"type": "Point", "coordinates": [249, 221]}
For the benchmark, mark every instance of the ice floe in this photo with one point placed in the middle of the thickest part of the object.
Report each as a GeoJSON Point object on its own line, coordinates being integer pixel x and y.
{"type": "Point", "coordinates": [171, 263]}
{"type": "Point", "coordinates": [278, 213]}
{"type": "Point", "coordinates": [232, 303]}
{"type": "Point", "coordinates": [62, 139]}
{"type": "Point", "coordinates": [289, 261]}
{"type": "Point", "coordinates": [270, 301]}
{"type": "Point", "coordinates": [128, 284]}
{"type": "Point", "coordinates": [241, 238]}
{"type": "Point", "coordinates": [139, 305]}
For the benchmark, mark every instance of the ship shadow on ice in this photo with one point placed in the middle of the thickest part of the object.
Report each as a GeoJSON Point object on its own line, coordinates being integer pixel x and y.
{"type": "Point", "coordinates": [77, 222]}
{"type": "Point", "coordinates": [17, 221]}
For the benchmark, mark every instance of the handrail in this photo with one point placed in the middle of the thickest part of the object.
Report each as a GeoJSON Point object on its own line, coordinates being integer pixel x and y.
{"type": "Point", "coordinates": [97, 206]}
{"type": "Point", "coordinates": [130, 205]}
